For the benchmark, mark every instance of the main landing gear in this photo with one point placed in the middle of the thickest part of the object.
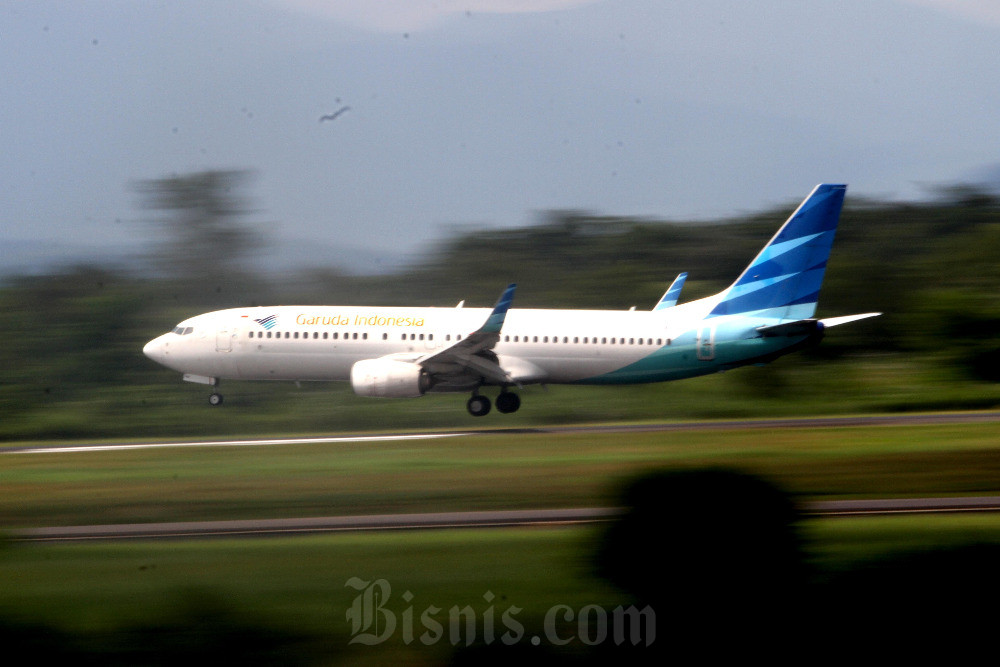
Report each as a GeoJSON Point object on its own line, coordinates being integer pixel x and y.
{"type": "Point", "coordinates": [507, 402]}
{"type": "Point", "coordinates": [215, 399]}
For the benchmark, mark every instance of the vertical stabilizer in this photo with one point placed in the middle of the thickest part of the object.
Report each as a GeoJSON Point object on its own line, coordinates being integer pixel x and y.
{"type": "Point", "coordinates": [784, 280]}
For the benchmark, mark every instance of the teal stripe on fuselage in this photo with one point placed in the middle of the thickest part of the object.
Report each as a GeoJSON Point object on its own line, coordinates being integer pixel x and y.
{"type": "Point", "coordinates": [680, 360]}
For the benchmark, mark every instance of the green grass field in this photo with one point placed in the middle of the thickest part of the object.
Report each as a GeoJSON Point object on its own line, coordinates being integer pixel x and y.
{"type": "Point", "coordinates": [290, 595]}
{"type": "Point", "coordinates": [293, 590]}
{"type": "Point", "coordinates": [488, 471]}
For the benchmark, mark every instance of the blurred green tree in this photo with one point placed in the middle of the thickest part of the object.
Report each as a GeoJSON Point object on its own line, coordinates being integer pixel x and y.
{"type": "Point", "coordinates": [206, 237]}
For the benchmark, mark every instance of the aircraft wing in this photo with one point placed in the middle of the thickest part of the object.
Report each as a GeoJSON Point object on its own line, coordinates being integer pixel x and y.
{"type": "Point", "coordinates": [473, 355]}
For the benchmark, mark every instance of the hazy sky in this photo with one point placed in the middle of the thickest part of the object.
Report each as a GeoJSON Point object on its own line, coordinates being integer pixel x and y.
{"type": "Point", "coordinates": [482, 112]}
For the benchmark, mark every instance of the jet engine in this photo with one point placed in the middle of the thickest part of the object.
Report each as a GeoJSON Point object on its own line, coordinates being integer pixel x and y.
{"type": "Point", "coordinates": [389, 378]}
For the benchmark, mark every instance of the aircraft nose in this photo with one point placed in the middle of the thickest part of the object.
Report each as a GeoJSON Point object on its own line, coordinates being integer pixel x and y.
{"type": "Point", "coordinates": [154, 349]}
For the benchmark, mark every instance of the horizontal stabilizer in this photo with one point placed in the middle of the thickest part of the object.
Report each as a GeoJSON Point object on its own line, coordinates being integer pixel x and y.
{"type": "Point", "coordinates": [806, 327]}
{"type": "Point", "coordinates": [796, 328]}
{"type": "Point", "coordinates": [834, 321]}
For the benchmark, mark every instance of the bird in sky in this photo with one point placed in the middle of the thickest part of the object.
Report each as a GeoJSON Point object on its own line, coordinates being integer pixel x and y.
{"type": "Point", "coordinates": [335, 115]}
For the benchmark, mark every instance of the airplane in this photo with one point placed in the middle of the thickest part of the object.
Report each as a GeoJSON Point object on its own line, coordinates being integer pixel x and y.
{"type": "Point", "coordinates": [406, 352]}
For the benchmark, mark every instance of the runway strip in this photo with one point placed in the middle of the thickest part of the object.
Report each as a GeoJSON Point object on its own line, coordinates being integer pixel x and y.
{"type": "Point", "coordinates": [743, 424]}
{"type": "Point", "coordinates": [450, 520]}
{"type": "Point", "coordinates": [58, 449]}
{"type": "Point", "coordinates": [318, 525]}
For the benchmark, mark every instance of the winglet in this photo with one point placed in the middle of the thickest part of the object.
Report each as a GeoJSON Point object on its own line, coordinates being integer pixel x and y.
{"type": "Point", "coordinates": [669, 298]}
{"type": "Point", "coordinates": [495, 321]}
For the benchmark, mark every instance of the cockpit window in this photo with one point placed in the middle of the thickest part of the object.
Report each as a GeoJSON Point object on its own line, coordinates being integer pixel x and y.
{"type": "Point", "coordinates": [183, 331]}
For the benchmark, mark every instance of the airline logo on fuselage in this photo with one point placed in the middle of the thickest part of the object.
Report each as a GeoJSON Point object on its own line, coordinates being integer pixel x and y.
{"type": "Point", "coordinates": [268, 322]}
{"type": "Point", "coordinates": [359, 320]}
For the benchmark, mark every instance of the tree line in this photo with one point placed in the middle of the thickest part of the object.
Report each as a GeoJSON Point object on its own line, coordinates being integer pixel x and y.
{"type": "Point", "coordinates": [75, 336]}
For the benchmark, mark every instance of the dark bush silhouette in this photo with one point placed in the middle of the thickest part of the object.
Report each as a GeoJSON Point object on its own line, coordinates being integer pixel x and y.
{"type": "Point", "coordinates": [716, 553]}
{"type": "Point", "coordinates": [938, 603]}
{"type": "Point", "coordinates": [201, 629]}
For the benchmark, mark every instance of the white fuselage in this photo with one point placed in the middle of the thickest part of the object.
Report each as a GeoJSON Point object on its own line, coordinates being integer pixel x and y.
{"type": "Point", "coordinates": [322, 343]}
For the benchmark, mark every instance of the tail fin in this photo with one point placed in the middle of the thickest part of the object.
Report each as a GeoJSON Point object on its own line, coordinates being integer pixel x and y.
{"type": "Point", "coordinates": [785, 277]}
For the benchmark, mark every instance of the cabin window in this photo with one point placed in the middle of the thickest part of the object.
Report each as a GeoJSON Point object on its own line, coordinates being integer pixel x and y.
{"type": "Point", "coordinates": [385, 336]}
{"type": "Point", "coordinates": [364, 336]}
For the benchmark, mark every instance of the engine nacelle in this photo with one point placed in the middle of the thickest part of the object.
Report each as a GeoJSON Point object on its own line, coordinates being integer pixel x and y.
{"type": "Point", "coordinates": [388, 378]}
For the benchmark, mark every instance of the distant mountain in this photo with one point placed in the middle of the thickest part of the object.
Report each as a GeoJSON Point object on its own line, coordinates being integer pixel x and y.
{"type": "Point", "coordinates": [33, 257]}
{"type": "Point", "coordinates": [987, 177]}
{"type": "Point", "coordinates": [291, 255]}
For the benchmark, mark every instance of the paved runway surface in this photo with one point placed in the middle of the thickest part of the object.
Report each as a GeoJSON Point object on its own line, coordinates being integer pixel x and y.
{"type": "Point", "coordinates": [743, 424]}
{"type": "Point", "coordinates": [443, 520]}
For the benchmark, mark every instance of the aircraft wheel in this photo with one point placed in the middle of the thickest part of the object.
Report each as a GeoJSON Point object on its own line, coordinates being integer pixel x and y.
{"type": "Point", "coordinates": [478, 406]}
{"type": "Point", "coordinates": [508, 402]}
{"type": "Point", "coordinates": [215, 399]}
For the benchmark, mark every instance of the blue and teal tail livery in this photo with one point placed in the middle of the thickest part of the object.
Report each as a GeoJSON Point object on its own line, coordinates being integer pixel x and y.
{"type": "Point", "coordinates": [669, 298]}
{"type": "Point", "coordinates": [783, 281]}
